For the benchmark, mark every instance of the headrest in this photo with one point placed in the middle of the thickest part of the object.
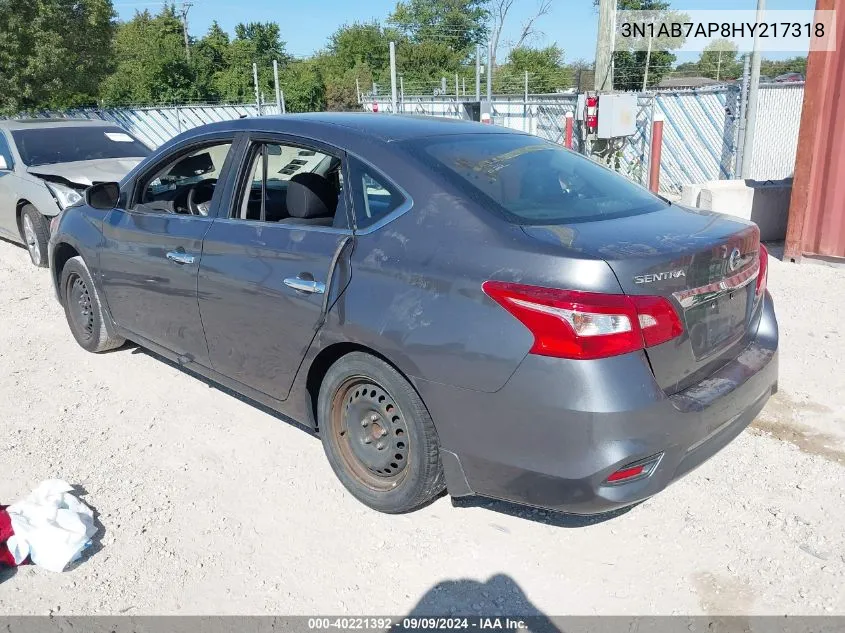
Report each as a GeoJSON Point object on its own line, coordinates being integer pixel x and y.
{"type": "Point", "coordinates": [311, 196]}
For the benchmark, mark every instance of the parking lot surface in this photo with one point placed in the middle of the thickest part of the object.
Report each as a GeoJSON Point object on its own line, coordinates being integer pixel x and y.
{"type": "Point", "coordinates": [208, 505]}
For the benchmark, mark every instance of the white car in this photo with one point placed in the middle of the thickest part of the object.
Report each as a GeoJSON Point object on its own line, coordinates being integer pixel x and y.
{"type": "Point", "coordinates": [46, 165]}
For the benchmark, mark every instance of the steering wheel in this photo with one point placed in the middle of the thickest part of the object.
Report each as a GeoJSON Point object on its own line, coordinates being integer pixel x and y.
{"type": "Point", "coordinates": [199, 196]}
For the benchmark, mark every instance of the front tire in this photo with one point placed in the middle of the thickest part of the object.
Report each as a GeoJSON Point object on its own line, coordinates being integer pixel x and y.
{"type": "Point", "coordinates": [83, 309]}
{"type": "Point", "coordinates": [35, 232]}
{"type": "Point", "coordinates": [378, 435]}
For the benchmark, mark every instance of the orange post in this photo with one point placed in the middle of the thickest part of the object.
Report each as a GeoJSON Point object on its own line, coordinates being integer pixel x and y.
{"type": "Point", "coordinates": [656, 149]}
{"type": "Point", "coordinates": [567, 140]}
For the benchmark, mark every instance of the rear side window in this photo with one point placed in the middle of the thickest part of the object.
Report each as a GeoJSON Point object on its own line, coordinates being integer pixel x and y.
{"type": "Point", "coordinates": [532, 181]}
{"type": "Point", "coordinates": [375, 196]}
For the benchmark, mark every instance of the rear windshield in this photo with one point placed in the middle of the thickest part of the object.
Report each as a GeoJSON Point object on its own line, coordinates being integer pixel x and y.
{"type": "Point", "coordinates": [533, 181]}
{"type": "Point", "coordinates": [49, 145]}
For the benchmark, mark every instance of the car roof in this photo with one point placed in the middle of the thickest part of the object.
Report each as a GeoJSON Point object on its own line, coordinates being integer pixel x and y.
{"type": "Point", "coordinates": [28, 124]}
{"type": "Point", "coordinates": [385, 127]}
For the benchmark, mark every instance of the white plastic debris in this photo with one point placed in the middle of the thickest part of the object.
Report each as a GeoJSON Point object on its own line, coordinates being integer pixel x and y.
{"type": "Point", "coordinates": [51, 526]}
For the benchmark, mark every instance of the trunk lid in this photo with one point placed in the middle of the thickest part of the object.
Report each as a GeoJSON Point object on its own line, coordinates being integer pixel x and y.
{"type": "Point", "coordinates": [705, 263]}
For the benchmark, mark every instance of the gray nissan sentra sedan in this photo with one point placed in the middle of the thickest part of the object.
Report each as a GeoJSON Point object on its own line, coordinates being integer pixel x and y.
{"type": "Point", "coordinates": [448, 305]}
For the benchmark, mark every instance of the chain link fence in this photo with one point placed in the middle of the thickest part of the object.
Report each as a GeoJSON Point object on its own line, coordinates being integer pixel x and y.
{"type": "Point", "coordinates": [700, 133]}
{"type": "Point", "coordinates": [156, 125]}
{"type": "Point", "coordinates": [700, 138]}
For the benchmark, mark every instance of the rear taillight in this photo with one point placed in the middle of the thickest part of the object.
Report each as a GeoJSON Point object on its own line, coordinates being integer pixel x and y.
{"type": "Point", "coordinates": [585, 325]}
{"type": "Point", "coordinates": [762, 276]}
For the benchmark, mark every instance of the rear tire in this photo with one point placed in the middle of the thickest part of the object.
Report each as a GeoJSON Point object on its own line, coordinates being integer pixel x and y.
{"type": "Point", "coordinates": [83, 309]}
{"type": "Point", "coordinates": [35, 232]}
{"type": "Point", "coordinates": [378, 435]}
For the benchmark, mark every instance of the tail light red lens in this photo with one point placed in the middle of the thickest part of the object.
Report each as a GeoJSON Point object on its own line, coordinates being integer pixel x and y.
{"type": "Point", "coordinates": [763, 275]}
{"type": "Point", "coordinates": [586, 325]}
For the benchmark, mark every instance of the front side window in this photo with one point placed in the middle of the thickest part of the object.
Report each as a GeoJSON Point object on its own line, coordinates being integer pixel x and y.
{"type": "Point", "coordinates": [532, 181]}
{"type": "Point", "coordinates": [186, 184]}
{"type": "Point", "coordinates": [292, 185]}
{"type": "Point", "coordinates": [70, 144]}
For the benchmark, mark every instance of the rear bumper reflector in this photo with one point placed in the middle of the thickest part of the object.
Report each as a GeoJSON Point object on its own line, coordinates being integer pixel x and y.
{"type": "Point", "coordinates": [635, 470]}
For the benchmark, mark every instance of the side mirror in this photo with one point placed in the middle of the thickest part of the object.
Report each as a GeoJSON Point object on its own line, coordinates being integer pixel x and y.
{"type": "Point", "coordinates": [4, 166]}
{"type": "Point", "coordinates": [103, 196]}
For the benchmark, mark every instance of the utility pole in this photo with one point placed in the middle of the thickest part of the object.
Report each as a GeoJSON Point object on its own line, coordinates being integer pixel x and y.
{"type": "Point", "coordinates": [393, 101]}
{"type": "Point", "coordinates": [719, 65]}
{"type": "Point", "coordinates": [647, 64]}
{"type": "Point", "coordinates": [255, 84]}
{"type": "Point", "coordinates": [278, 90]}
{"type": "Point", "coordinates": [183, 12]}
{"type": "Point", "coordinates": [490, 73]}
{"type": "Point", "coordinates": [604, 46]}
{"type": "Point", "coordinates": [753, 92]}
{"type": "Point", "coordinates": [743, 111]}
{"type": "Point", "coordinates": [358, 89]}
{"type": "Point", "coordinates": [478, 73]}
{"type": "Point", "coordinates": [457, 88]}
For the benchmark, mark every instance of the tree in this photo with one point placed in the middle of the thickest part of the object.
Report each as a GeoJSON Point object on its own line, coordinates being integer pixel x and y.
{"type": "Point", "coordinates": [366, 43]}
{"type": "Point", "coordinates": [53, 53]}
{"type": "Point", "coordinates": [545, 68]}
{"type": "Point", "coordinates": [772, 68]}
{"type": "Point", "coordinates": [459, 24]}
{"type": "Point", "coordinates": [303, 86]}
{"type": "Point", "coordinates": [150, 64]}
{"type": "Point", "coordinates": [499, 10]}
{"type": "Point", "coordinates": [254, 43]}
{"type": "Point", "coordinates": [719, 60]}
{"type": "Point", "coordinates": [424, 64]}
{"type": "Point", "coordinates": [359, 51]}
{"type": "Point", "coordinates": [209, 60]}
{"type": "Point", "coordinates": [629, 66]}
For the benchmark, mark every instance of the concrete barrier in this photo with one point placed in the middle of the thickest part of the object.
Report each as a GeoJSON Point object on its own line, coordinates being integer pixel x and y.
{"type": "Point", "coordinates": [765, 203]}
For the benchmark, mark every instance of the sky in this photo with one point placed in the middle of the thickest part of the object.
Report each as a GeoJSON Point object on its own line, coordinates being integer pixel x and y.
{"type": "Point", "coordinates": [306, 25]}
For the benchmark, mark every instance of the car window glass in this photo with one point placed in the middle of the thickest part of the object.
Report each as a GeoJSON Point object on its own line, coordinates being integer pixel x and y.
{"type": "Point", "coordinates": [375, 197]}
{"type": "Point", "coordinates": [70, 144]}
{"type": "Point", "coordinates": [169, 189]}
{"type": "Point", "coordinates": [533, 181]}
{"type": "Point", "coordinates": [271, 170]}
{"type": "Point", "coordinates": [5, 152]}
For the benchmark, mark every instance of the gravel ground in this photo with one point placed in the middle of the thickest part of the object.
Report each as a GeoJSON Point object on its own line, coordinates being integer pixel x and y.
{"type": "Point", "coordinates": [210, 506]}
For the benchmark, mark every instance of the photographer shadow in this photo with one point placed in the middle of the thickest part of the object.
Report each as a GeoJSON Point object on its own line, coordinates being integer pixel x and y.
{"type": "Point", "coordinates": [500, 597]}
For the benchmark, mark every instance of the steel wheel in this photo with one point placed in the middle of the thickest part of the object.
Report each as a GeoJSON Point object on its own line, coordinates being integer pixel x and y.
{"type": "Point", "coordinates": [370, 432]}
{"type": "Point", "coordinates": [31, 240]}
{"type": "Point", "coordinates": [80, 306]}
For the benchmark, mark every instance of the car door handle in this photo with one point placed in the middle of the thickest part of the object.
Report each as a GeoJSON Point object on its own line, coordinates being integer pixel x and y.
{"type": "Point", "coordinates": [306, 285]}
{"type": "Point", "coordinates": [180, 257]}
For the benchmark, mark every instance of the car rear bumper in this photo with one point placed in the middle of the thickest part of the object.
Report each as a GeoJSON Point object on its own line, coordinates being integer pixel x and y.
{"type": "Point", "coordinates": [555, 432]}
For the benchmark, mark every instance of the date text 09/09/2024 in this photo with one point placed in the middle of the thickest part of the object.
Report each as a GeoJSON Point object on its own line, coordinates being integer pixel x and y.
{"type": "Point", "coordinates": [417, 624]}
